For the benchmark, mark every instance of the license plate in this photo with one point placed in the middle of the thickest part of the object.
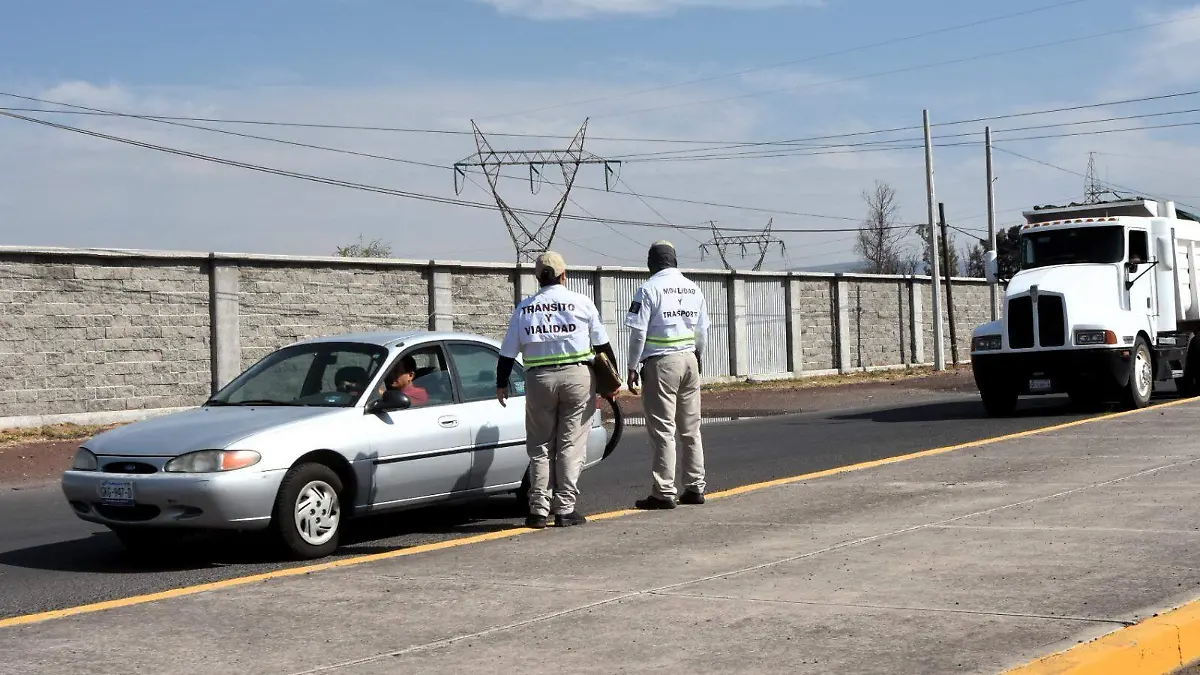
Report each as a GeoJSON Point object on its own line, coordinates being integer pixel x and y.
{"type": "Point", "coordinates": [117, 492]}
{"type": "Point", "coordinates": [1039, 385]}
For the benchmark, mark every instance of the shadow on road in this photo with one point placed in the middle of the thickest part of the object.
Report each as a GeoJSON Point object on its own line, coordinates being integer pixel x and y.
{"type": "Point", "coordinates": [1027, 408]}
{"type": "Point", "coordinates": [103, 553]}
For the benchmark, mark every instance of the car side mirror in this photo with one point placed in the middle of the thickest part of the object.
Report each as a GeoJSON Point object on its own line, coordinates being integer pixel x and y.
{"type": "Point", "coordinates": [990, 267]}
{"type": "Point", "coordinates": [390, 401]}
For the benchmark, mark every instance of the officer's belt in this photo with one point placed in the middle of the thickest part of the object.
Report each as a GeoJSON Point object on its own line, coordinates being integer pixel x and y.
{"type": "Point", "coordinates": [557, 365]}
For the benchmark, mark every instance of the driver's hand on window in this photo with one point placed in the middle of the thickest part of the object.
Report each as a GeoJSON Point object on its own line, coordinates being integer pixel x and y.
{"type": "Point", "coordinates": [502, 395]}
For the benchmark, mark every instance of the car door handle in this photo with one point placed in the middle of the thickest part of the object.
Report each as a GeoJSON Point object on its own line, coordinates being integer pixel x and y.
{"type": "Point", "coordinates": [448, 422]}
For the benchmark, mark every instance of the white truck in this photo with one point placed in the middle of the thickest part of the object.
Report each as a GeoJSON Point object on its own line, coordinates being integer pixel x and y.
{"type": "Point", "coordinates": [1104, 306]}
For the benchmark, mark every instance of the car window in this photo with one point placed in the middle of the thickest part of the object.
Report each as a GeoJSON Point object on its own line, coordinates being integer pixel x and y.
{"type": "Point", "coordinates": [319, 374]}
{"type": "Point", "coordinates": [476, 366]}
{"type": "Point", "coordinates": [421, 374]}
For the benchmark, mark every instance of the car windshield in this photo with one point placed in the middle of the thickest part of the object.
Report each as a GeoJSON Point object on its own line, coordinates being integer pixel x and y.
{"type": "Point", "coordinates": [1076, 245]}
{"type": "Point", "coordinates": [326, 374]}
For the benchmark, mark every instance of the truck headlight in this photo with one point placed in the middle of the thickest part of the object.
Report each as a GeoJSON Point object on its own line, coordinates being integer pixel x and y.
{"type": "Point", "coordinates": [85, 460]}
{"type": "Point", "coordinates": [986, 343]}
{"type": "Point", "coordinates": [212, 461]}
{"type": "Point", "coordinates": [1095, 337]}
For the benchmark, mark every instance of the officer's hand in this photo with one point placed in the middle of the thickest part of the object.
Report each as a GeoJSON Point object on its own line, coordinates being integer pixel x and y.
{"type": "Point", "coordinates": [633, 381]}
{"type": "Point", "coordinates": [699, 365]}
{"type": "Point", "coordinates": [501, 395]}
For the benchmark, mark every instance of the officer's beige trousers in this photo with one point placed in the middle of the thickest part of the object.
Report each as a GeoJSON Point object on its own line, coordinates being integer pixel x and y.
{"type": "Point", "coordinates": [559, 404]}
{"type": "Point", "coordinates": [671, 399]}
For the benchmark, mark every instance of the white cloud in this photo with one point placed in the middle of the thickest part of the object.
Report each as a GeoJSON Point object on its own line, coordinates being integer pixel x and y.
{"type": "Point", "coordinates": [581, 9]}
{"type": "Point", "coordinates": [1171, 54]}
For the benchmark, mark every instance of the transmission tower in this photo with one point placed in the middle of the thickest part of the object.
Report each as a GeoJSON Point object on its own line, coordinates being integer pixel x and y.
{"type": "Point", "coordinates": [1093, 189]}
{"type": "Point", "coordinates": [527, 240]}
{"type": "Point", "coordinates": [722, 244]}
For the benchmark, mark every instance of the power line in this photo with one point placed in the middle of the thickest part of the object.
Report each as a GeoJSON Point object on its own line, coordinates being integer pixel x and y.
{"type": "Point", "coordinates": [717, 144]}
{"type": "Point", "coordinates": [665, 153]}
{"type": "Point", "coordinates": [907, 69]}
{"type": "Point", "coordinates": [372, 188]}
{"type": "Point", "coordinates": [1076, 173]}
{"type": "Point", "coordinates": [793, 62]}
{"type": "Point", "coordinates": [856, 149]}
{"type": "Point", "coordinates": [311, 146]}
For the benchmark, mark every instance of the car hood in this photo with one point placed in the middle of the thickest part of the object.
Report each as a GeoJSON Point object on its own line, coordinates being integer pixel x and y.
{"type": "Point", "coordinates": [208, 428]}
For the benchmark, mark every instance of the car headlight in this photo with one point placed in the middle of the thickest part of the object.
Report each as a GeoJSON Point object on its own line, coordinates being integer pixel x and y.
{"type": "Point", "coordinates": [985, 343]}
{"type": "Point", "coordinates": [212, 461]}
{"type": "Point", "coordinates": [85, 460]}
{"type": "Point", "coordinates": [1095, 337]}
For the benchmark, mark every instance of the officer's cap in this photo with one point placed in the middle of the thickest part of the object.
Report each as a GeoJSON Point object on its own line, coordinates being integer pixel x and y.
{"type": "Point", "coordinates": [549, 261]}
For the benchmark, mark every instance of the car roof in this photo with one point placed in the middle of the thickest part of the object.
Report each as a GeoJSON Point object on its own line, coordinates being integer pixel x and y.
{"type": "Point", "coordinates": [394, 338]}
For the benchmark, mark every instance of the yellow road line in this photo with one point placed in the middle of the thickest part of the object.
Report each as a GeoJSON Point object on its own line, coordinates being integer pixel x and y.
{"type": "Point", "coordinates": [504, 534]}
{"type": "Point", "coordinates": [1157, 646]}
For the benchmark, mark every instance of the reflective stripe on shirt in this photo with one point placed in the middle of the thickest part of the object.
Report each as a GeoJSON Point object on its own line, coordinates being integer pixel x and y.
{"type": "Point", "coordinates": [555, 326]}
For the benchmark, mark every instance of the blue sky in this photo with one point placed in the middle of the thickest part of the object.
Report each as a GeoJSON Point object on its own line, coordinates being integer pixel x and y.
{"type": "Point", "coordinates": [437, 64]}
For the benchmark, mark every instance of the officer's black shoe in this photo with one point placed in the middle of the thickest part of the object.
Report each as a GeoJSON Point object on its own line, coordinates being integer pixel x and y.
{"type": "Point", "coordinates": [652, 503]}
{"type": "Point", "coordinates": [569, 519]}
{"type": "Point", "coordinates": [535, 521]}
{"type": "Point", "coordinates": [690, 497]}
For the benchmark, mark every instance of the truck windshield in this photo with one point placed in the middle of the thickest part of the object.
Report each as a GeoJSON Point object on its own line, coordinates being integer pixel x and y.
{"type": "Point", "coordinates": [1078, 245]}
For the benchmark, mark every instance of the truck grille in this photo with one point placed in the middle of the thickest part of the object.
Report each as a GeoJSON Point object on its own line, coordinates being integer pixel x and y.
{"type": "Point", "coordinates": [1020, 323]}
{"type": "Point", "coordinates": [1052, 329]}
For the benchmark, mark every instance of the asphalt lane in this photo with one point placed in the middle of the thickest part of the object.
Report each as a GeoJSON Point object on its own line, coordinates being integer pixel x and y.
{"type": "Point", "coordinates": [49, 559]}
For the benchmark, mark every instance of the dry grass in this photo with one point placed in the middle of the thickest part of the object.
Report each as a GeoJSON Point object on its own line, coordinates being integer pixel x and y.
{"type": "Point", "coordinates": [51, 433]}
{"type": "Point", "coordinates": [822, 381]}
{"type": "Point", "coordinates": [839, 380]}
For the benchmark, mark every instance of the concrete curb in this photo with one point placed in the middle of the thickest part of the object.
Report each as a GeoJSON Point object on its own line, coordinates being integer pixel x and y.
{"type": "Point", "coordinates": [1159, 645]}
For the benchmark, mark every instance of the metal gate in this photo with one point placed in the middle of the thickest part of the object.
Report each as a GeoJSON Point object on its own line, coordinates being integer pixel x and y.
{"type": "Point", "coordinates": [716, 350]}
{"type": "Point", "coordinates": [767, 321]}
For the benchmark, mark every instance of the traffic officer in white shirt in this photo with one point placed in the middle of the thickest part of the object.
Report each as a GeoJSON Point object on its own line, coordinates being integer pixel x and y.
{"type": "Point", "coordinates": [556, 330]}
{"type": "Point", "coordinates": [668, 322]}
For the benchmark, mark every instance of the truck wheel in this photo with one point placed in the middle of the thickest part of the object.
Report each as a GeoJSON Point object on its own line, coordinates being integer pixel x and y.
{"type": "Point", "coordinates": [307, 517]}
{"type": "Point", "coordinates": [1141, 377]}
{"type": "Point", "coordinates": [999, 402]}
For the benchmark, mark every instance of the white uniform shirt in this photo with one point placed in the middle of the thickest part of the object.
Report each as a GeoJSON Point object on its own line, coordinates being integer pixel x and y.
{"type": "Point", "coordinates": [553, 327]}
{"type": "Point", "coordinates": [671, 310]}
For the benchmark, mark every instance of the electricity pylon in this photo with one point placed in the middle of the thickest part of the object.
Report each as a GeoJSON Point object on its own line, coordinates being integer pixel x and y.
{"type": "Point", "coordinates": [527, 240]}
{"type": "Point", "coordinates": [722, 243]}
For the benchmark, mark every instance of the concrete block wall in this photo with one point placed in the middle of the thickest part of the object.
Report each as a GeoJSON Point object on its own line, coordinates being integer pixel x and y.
{"type": "Point", "coordinates": [94, 335]}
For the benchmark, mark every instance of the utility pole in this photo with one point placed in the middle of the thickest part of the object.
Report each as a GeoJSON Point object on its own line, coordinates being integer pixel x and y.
{"type": "Point", "coordinates": [939, 351]}
{"type": "Point", "coordinates": [991, 202]}
{"type": "Point", "coordinates": [949, 289]}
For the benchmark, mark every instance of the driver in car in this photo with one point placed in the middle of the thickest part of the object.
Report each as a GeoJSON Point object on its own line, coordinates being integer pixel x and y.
{"type": "Point", "coordinates": [402, 381]}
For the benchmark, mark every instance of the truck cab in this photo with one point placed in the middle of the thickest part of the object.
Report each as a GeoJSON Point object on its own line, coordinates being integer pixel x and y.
{"type": "Point", "coordinates": [1104, 306]}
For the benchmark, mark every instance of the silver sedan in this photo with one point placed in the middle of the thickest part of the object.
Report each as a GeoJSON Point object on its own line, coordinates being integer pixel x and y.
{"type": "Point", "coordinates": [313, 433]}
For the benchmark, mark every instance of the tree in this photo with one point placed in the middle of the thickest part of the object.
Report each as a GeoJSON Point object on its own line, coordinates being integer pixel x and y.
{"type": "Point", "coordinates": [976, 264]}
{"type": "Point", "coordinates": [375, 249]}
{"type": "Point", "coordinates": [1008, 251]}
{"type": "Point", "coordinates": [926, 253]}
{"type": "Point", "coordinates": [878, 238]}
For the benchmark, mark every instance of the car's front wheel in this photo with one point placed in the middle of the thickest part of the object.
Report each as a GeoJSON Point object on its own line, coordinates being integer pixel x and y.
{"type": "Point", "coordinates": [308, 511]}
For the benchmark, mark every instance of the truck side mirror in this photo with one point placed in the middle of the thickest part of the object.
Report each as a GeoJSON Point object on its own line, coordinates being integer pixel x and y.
{"type": "Point", "coordinates": [990, 267]}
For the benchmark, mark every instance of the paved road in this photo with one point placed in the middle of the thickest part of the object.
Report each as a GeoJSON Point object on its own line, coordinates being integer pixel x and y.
{"type": "Point", "coordinates": [49, 559]}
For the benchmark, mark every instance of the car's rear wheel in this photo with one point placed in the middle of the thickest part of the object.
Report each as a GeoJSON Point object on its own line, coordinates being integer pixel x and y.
{"type": "Point", "coordinates": [307, 517]}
